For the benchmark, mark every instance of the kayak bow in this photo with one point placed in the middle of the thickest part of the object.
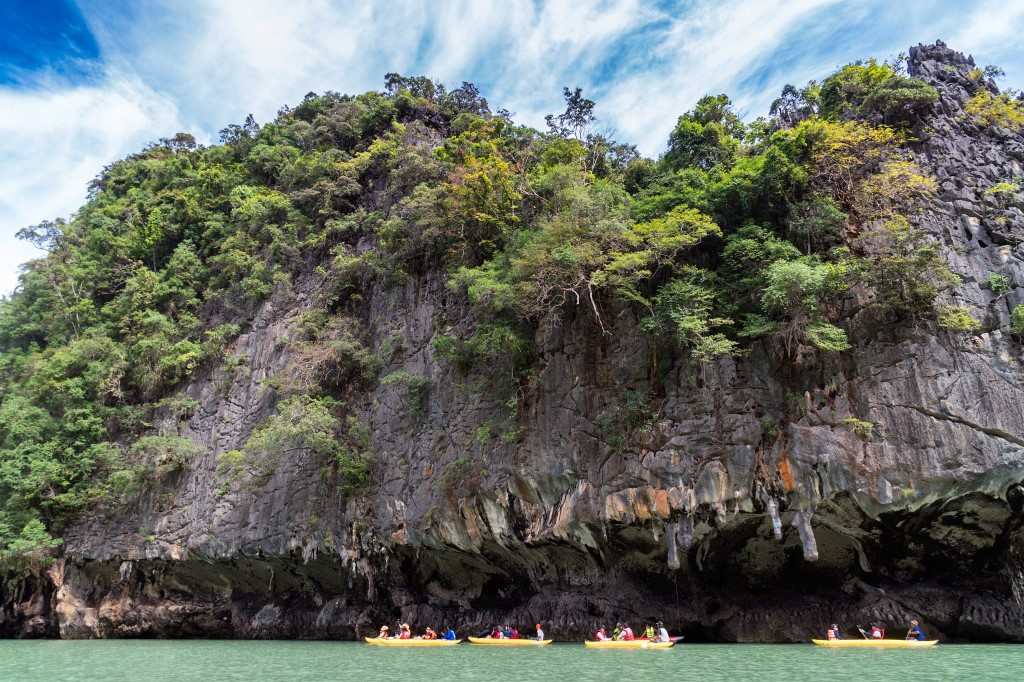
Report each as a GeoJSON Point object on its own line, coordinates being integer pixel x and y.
{"type": "Point", "coordinates": [487, 641]}
{"type": "Point", "coordinates": [874, 643]}
{"type": "Point", "coordinates": [375, 641]}
{"type": "Point", "coordinates": [631, 644]}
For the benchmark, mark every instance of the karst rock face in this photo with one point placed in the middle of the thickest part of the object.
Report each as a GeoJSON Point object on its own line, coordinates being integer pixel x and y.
{"type": "Point", "coordinates": [747, 505]}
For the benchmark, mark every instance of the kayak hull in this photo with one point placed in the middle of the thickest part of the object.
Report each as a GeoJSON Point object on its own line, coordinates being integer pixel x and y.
{"type": "Point", "coordinates": [633, 644]}
{"type": "Point", "coordinates": [413, 643]}
{"type": "Point", "coordinates": [874, 643]}
{"type": "Point", "coordinates": [487, 641]}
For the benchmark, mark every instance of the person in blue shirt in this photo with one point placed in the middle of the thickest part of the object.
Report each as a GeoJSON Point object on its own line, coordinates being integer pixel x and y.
{"type": "Point", "coordinates": [915, 631]}
{"type": "Point", "coordinates": [449, 634]}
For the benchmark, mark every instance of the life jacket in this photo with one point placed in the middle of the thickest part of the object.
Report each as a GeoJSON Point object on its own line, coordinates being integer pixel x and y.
{"type": "Point", "coordinates": [832, 634]}
{"type": "Point", "coordinates": [628, 634]}
{"type": "Point", "coordinates": [877, 632]}
{"type": "Point", "coordinates": [405, 635]}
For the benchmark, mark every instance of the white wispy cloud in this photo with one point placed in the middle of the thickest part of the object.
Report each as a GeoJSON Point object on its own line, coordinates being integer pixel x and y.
{"type": "Point", "coordinates": [706, 51]}
{"type": "Point", "coordinates": [54, 139]}
{"type": "Point", "coordinates": [199, 65]}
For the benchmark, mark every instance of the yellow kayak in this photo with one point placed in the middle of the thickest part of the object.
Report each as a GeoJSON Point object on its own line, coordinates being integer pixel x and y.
{"type": "Point", "coordinates": [487, 641]}
{"type": "Point", "coordinates": [874, 643]}
{"type": "Point", "coordinates": [632, 644]}
{"type": "Point", "coordinates": [376, 641]}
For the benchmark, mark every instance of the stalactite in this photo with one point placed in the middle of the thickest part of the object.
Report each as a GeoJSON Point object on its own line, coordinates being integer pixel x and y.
{"type": "Point", "coordinates": [802, 522]}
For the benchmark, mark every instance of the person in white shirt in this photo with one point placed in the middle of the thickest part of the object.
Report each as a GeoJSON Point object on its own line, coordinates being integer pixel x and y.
{"type": "Point", "coordinates": [540, 633]}
{"type": "Point", "coordinates": [662, 632]}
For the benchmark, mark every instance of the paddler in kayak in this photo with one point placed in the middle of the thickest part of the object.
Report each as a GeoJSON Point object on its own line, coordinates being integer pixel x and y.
{"type": "Point", "coordinates": [833, 632]}
{"type": "Point", "coordinates": [662, 633]}
{"type": "Point", "coordinates": [602, 635]}
{"type": "Point", "coordinates": [540, 634]}
{"type": "Point", "coordinates": [449, 634]}
{"type": "Point", "coordinates": [429, 633]}
{"type": "Point", "coordinates": [405, 632]}
{"type": "Point", "coordinates": [649, 633]}
{"type": "Point", "coordinates": [915, 632]}
{"type": "Point", "coordinates": [627, 634]}
{"type": "Point", "coordinates": [384, 632]}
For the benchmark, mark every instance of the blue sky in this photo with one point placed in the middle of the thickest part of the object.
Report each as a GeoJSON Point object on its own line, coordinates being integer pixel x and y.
{"type": "Point", "coordinates": [84, 83]}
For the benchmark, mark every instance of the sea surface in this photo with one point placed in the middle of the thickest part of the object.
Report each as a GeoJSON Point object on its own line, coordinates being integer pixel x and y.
{"type": "Point", "coordinates": [213, 661]}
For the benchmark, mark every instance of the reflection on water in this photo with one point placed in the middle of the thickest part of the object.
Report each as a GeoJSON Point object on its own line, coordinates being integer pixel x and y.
{"type": "Point", "coordinates": [208, 661]}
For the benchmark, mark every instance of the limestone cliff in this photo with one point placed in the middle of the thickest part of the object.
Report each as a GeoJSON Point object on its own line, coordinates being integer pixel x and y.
{"type": "Point", "coordinates": [750, 507]}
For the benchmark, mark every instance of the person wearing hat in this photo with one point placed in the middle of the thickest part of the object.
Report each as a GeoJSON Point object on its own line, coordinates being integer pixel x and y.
{"type": "Point", "coordinates": [406, 633]}
{"type": "Point", "coordinates": [662, 632]}
{"type": "Point", "coordinates": [383, 634]}
{"type": "Point", "coordinates": [915, 631]}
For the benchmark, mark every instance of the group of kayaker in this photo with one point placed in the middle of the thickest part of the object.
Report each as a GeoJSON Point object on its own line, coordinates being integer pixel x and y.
{"type": "Point", "coordinates": [512, 632]}
{"type": "Point", "coordinates": [405, 632]}
{"type": "Point", "coordinates": [504, 632]}
{"type": "Point", "coordinates": [877, 631]}
{"type": "Point", "coordinates": [624, 633]}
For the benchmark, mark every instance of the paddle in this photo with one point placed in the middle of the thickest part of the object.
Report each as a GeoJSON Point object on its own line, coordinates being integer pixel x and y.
{"type": "Point", "coordinates": [862, 633]}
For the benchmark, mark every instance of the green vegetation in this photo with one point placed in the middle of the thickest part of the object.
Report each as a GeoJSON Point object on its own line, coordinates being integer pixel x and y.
{"type": "Point", "coordinates": [998, 284]}
{"type": "Point", "coordinates": [956, 318]}
{"type": "Point", "coordinates": [990, 109]}
{"type": "Point", "coordinates": [307, 425]}
{"type": "Point", "coordinates": [860, 427]}
{"type": "Point", "coordinates": [737, 233]}
{"type": "Point", "coordinates": [875, 92]}
{"type": "Point", "coordinates": [415, 389]}
{"type": "Point", "coordinates": [1017, 320]}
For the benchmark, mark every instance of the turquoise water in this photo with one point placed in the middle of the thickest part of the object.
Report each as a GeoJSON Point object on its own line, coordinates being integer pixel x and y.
{"type": "Point", "coordinates": [210, 661]}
